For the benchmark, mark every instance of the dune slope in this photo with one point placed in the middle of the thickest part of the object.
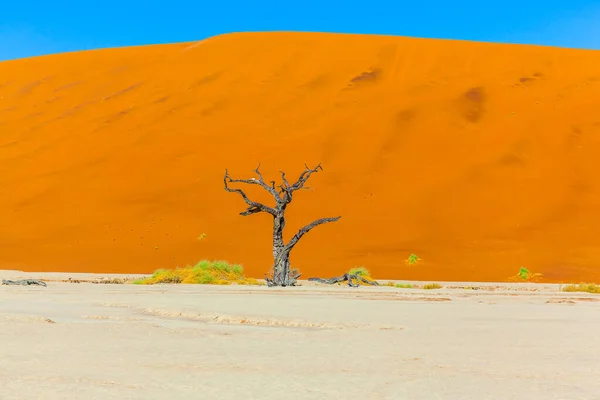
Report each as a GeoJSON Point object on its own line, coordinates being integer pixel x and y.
{"type": "Point", "coordinates": [479, 158]}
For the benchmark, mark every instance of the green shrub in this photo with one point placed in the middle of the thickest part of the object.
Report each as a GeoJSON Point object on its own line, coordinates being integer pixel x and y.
{"type": "Point", "coordinates": [204, 272]}
{"type": "Point", "coordinates": [403, 285]}
{"type": "Point", "coordinates": [524, 273]}
{"type": "Point", "coordinates": [412, 259]}
{"type": "Point", "coordinates": [361, 271]}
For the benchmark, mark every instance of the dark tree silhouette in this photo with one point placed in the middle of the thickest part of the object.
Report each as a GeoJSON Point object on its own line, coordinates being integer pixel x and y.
{"type": "Point", "coordinates": [353, 280]}
{"type": "Point", "coordinates": [281, 274]}
{"type": "Point", "coordinates": [24, 282]}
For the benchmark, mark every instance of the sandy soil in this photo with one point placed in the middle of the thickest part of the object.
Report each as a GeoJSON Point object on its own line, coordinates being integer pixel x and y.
{"type": "Point", "coordinates": [74, 341]}
{"type": "Point", "coordinates": [480, 158]}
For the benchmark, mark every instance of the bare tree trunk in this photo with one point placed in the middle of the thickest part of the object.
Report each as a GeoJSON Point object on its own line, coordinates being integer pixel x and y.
{"type": "Point", "coordinates": [281, 268]}
{"type": "Point", "coordinates": [281, 255]}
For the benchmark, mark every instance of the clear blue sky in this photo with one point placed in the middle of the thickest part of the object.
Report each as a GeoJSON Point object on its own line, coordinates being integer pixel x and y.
{"type": "Point", "coordinates": [35, 27]}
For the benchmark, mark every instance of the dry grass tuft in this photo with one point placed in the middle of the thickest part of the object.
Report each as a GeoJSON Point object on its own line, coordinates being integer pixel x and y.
{"type": "Point", "coordinates": [113, 281]}
{"type": "Point", "coordinates": [205, 272]}
{"type": "Point", "coordinates": [431, 286]}
{"type": "Point", "coordinates": [363, 272]}
{"type": "Point", "coordinates": [582, 287]}
{"type": "Point", "coordinates": [403, 286]}
{"type": "Point", "coordinates": [399, 285]}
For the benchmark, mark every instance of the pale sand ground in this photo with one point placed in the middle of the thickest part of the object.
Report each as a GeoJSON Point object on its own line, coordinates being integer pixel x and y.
{"type": "Point", "coordinates": [206, 342]}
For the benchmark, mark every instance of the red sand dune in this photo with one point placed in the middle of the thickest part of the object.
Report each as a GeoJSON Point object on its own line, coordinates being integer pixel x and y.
{"type": "Point", "coordinates": [479, 158]}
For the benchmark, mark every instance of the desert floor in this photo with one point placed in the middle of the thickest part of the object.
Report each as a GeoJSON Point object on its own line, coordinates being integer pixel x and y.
{"type": "Point", "coordinates": [105, 341]}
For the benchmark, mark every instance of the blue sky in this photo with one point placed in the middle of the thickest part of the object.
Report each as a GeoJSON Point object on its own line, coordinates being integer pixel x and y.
{"type": "Point", "coordinates": [36, 27]}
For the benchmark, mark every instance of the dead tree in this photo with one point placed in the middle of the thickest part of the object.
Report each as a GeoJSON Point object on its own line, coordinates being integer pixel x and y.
{"type": "Point", "coordinates": [283, 194]}
{"type": "Point", "coordinates": [24, 282]}
{"type": "Point", "coordinates": [351, 278]}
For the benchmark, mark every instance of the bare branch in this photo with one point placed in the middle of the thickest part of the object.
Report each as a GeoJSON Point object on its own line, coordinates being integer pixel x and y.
{"type": "Point", "coordinates": [286, 184]}
{"type": "Point", "coordinates": [271, 189]}
{"type": "Point", "coordinates": [260, 182]}
{"type": "Point", "coordinates": [24, 282]}
{"type": "Point", "coordinates": [346, 277]}
{"type": "Point", "coordinates": [253, 207]}
{"type": "Point", "coordinates": [286, 189]}
{"type": "Point", "coordinates": [304, 176]}
{"type": "Point", "coordinates": [303, 231]}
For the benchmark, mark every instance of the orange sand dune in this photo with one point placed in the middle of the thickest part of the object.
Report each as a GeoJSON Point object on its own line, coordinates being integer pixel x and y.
{"type": "Point", "coordinates": [479, 158]}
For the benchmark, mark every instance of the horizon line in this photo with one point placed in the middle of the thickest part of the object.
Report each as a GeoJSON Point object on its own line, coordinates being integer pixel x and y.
{"type": "Point", "coordinates": [525, 44]}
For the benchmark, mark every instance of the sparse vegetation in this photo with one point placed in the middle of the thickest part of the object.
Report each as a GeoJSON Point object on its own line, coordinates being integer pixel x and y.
{"type": "Point", "coordinates": [526, 275]}
{"type": "Point", "coordinates": [403, 286]}
{"type": "Point", "coordinates": [431, 286]}
{"type": "Point", "coordinates": [205, 272]}
{"type": "Point", "coordinates": [363, 273]}
{"type": "Point", "coordinates": [413, 259]}
{"type": "Point", "coordinates": [582, 287]}
{"type": "Point", "coordinates": [112, 281]}
{"type": "Point", "coordinates": [412, 286]}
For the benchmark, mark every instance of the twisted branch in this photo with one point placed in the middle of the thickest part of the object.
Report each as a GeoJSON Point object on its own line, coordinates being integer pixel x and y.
{"type": "Point", "coordinates": [24, 282]}
{"type": "Point", "coordinates": [282, 196]}
{"type": "Point", "coordinates": [253, 206]}
{"type": "Point", "coordinates": [303, 231]}
{"type": "Point", "coordinates": [346, 277]}
{"type": "Point", "coordinates": [288, 189]}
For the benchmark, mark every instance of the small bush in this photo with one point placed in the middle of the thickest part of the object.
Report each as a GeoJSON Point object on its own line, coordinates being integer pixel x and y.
{"type": "Point", "coordinates": [413, 259]}
{"type": "Point", "coordinates": [205, 272]}
{"type": "Point", "coordinates": [430, 286]}
{"type": "Point", "coordinates": [399, 285]}
{"type": "Point", "coordinates": [524, 273]}
{"type": "Point", "coordinates": [362, 272]}
{"type": "Point", "coordinates": [582, 287]}
{"type": "Point", "coordinates": [403, 286]}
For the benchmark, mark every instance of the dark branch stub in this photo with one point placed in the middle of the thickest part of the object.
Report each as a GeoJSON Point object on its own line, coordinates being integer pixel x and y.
{"type": "Point", "coordinates": [281, 274]}
{"type": "Point", "coordinates": [24, 282]}
{"type": "Point", "coordinates": [351, 278]}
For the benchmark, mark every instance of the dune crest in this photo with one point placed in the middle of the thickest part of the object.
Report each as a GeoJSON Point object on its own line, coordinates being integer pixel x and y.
{"type": "Point", "coordinates": [479, 158]}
